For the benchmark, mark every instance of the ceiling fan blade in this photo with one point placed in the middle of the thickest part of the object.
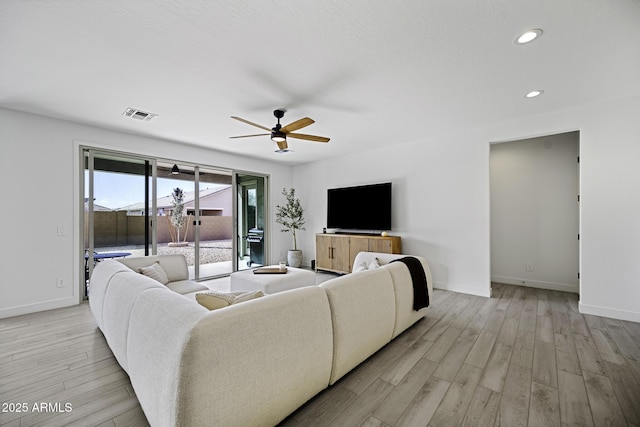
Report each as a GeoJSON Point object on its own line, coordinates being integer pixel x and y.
{"type": "Point", "coordinates": [249, 136]}
{"type": "Point", "coordinates": [282, 145]}
{"type": "Point", "coordinates": [298, 124]}
{"type": "Point", "coordinates": [251, 123]}
{"type": "Point", "coordinates": [308, 137]}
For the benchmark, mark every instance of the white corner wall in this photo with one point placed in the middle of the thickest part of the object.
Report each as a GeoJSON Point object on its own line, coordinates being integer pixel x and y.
{"type": "Point", "coordinates": [441, 199]}
{"type": "Point", "coordinates": [40, 160]}
{"type": "Point", "coordinates": [534, 212]}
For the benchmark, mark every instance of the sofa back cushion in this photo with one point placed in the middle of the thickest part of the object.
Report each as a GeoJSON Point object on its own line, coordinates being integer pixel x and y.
{"type": "Point", "coordinates": [175, 266]}
{"type": "Point", "coordinates": [403, 286]}
{"type": "Point", "coordinates": [249, 364]}
{"type": "Point", "coordinates": [103, 272]}
{"type": "Point", "coordinates": [119, 299]}
{"type": "Point", "coordinates": [160, 326]}
{"type": "Point", "coordinates": [363, 317]}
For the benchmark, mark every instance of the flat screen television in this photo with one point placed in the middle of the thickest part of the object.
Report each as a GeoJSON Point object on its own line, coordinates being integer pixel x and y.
{"type": "Point", "coordinates": [365, 208]}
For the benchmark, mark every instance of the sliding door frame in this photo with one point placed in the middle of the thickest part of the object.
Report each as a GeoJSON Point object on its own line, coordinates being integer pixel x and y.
{"type": "Point", "coordinates": [88, 154]}
{"type": "Point", "coordinates": [90, 150]}
{"type": "Point", "coordinates": [267, 219]}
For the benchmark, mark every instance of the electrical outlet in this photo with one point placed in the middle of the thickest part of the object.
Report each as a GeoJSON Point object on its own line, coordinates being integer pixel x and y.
{"type": "Point", "coordinates": [61, 230]}
{"type": "Point", "coordinates": [528, 266]}
{"type": "Point", "coordinates": [60, 283]}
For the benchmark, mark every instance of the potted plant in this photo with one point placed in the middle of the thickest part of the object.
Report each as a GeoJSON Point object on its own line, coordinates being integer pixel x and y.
{"type": "Point", "coordinates": [291, 216]}
{"type": "Point", "coordinates": [178, 218]}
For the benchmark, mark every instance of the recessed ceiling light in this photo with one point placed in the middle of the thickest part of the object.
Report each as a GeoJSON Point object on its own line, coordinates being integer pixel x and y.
{"type": "Point", "coordinates": [534, 93]}
{"type": "Point", "coordinates": [528, 37]}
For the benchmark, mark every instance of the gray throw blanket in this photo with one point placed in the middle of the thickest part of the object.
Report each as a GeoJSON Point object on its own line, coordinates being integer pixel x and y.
{"type": "Point", "coordinates": [419, 279]}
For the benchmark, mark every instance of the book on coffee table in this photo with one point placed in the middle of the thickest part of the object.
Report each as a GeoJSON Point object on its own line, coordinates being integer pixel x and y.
{"type": "Point", "coordinates": [270, 270]}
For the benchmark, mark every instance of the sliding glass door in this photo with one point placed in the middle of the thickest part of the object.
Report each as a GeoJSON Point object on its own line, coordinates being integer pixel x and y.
{"type": "Point", "coordinates": [137, 206]}
{"type": "Point", "coordinates": [215, 223]}
{"type": "Point", "coordinates": [195, 213]}
{"type": "Point", "coordinates": [251, 220]}
{"type": "Point", "coordinates": [115, 226]}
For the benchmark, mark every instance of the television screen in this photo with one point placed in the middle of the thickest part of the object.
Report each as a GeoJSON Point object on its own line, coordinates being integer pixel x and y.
{"type": "Point", "coordinates": [366, 207]}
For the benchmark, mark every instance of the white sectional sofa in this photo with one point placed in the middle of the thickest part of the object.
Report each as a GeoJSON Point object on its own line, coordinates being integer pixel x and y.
{"type": "Point", "coordinates": [249, 364]}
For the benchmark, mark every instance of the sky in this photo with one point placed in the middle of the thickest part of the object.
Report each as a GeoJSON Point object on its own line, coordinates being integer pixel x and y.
{"type": "Point", "coordinates": [115, 190]}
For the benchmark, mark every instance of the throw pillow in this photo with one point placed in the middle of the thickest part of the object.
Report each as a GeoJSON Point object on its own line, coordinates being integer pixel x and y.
{"type": "Point", "coordinates": [214, 300]}
{"type": "Point", "coordinates": [155, 272]}
{"type": "Point", "coordinates": [247, 296]}
{"type": "Point", "coordinates": [360, 267]}
{"type": "Point", "coordinates": [374, 264]}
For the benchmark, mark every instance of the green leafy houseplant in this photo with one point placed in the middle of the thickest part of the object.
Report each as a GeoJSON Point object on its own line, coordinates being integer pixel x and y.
{"type": "Point", "coordinates": [290, 215]}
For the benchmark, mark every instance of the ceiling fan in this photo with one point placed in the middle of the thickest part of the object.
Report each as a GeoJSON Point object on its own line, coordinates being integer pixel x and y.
{"type": "Point", "coordinates": [280, 133]}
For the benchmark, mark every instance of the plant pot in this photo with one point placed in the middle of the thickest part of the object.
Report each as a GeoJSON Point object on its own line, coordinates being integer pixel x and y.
{"type": "Point", "coordinates": [177, 244]}
{"type": "Point", "coordinates": [294, 258]}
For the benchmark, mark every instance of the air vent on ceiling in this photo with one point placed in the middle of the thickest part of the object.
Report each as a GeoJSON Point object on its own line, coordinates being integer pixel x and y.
{"type": "Point", "coordinates": [138, 114]}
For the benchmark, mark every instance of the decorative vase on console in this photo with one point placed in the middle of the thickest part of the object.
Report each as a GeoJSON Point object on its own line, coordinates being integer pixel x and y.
{"type": "Point", "coordinates": [291, 216]}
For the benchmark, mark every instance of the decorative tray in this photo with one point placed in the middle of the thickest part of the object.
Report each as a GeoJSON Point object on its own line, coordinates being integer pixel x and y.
{"type": "Point", "coordinates": [269, 270]}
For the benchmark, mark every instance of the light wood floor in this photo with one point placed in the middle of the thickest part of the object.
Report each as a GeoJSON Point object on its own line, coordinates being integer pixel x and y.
{"type": "Point", "coordinates": [525, 357]}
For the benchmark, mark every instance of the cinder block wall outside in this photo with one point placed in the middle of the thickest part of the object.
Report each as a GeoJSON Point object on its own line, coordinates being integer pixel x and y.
{"type": "Point", "coordinates": [118, 229]}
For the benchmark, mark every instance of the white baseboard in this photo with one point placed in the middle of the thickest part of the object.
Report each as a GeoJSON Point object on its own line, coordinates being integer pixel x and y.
{"type": "Point", "coordinates": [537, 284]}
{"type": "Point", "coordinates": [462, 289]}
{"type": "Point", "coordinates": [613, 313]}
{"type": "Point", "coordinates": [36, 307]}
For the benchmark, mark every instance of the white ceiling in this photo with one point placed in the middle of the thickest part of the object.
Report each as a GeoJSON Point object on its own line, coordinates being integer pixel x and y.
{"type": "Point", "coordinates": [369, 72]}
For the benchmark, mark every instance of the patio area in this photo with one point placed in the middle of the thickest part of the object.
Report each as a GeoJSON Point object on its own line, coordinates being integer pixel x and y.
{"type": "Point", "coordinates": [215, 255]}
{"type": "Point", "coordinates": [210, 251]}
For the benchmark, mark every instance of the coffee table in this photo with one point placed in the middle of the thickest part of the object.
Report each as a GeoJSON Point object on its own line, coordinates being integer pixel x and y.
{"type": "Point", "coordinates": [247, 280]}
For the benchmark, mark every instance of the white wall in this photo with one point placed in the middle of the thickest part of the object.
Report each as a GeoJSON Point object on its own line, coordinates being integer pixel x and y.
{"type": "Point", "coordinates": [433, 192]}
{"type": "Point", "coordinates": [441, 199]}
{"type": "Point", "coordinates": [534, 212]}
{"type": "Point", "coordinates": [441, 191]}
{"type": "Point", "coordinates": [40, 194]}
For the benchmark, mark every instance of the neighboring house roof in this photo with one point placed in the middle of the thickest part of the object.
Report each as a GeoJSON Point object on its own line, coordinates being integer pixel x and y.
{"type": "Point", "coordinates": [96, 208]}
{"type": "Point", "coordinates": [208, 201]}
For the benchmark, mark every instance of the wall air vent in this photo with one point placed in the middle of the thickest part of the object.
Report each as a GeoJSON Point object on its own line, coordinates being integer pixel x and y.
{"type": "Point", "coordinates": [138, 114]}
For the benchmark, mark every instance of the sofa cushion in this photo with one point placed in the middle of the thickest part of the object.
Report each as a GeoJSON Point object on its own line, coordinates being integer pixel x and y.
{"type": "Point", "coordinates": [214, 300]}
{"type": "Point", "coordinates": [119, 300]}
{"type": "Point", "coordinates": [186, 286]}
{"type": "Point", "coordinates": [363, 317]}
{"type": "Point", "coordinates": [155, 272]}
{"type": "Point", "coordinates": [160, 324]}
{"type": "Point", "coordinates": [403, 285]}
{"type": "Point", "coordinates": [103, 272]}
{"type": "Point", "coordinates": [254, 363]}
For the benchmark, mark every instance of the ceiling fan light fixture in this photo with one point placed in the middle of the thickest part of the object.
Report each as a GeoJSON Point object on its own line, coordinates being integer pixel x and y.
{"type": "Point", "coordinates": [278, 136]}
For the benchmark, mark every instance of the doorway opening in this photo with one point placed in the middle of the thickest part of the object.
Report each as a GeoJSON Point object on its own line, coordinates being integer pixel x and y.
{"type": "Point", "coordinates": [535, 214]}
